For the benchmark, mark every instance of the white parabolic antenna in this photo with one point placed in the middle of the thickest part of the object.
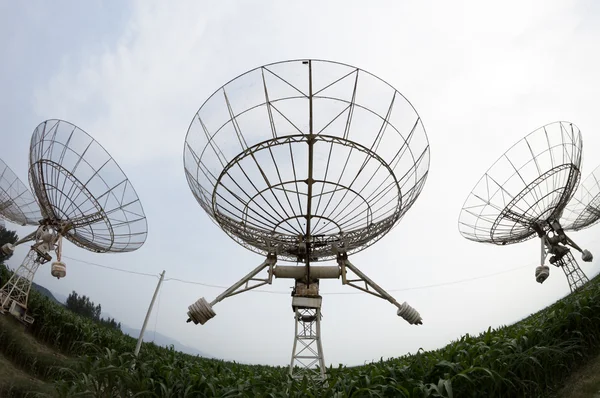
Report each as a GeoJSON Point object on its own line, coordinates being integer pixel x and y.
{"type": "Point", "coordinates": [306, 161]}
{"type": "Point", "coordinates": [583, 211]}
{"type": "Point", "coordinates": [79, 193]}
{"type": "Point", "coordinates": [525, 194]}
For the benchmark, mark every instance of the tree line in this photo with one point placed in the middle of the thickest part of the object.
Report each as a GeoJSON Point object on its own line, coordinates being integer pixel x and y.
{"type": "Point", "coordinates": [82, 305]}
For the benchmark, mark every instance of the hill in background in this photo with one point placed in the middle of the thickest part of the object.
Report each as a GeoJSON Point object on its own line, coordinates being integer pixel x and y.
{"type": "Point", "coordinates": [149, 335]}
{"type": "Point", "coordinates": [47, 293]}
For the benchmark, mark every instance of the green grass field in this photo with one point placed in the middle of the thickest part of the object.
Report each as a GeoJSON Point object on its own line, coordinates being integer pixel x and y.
{"type": "Point", "coordinates": [553, 353]}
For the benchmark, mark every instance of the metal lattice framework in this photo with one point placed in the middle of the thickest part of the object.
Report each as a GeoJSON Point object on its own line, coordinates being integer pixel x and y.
{"type": "Point", "coordinates": [575, 276]}
{"type": "Point", "coordinates": [77, 182]}
{"type": "Point", "coordinates": [306, 161]}
{"type": "Point", "coordinates": [583, 210]}
{"type": "Point", "coordinates": [531, 183]}
{"type": "Point", "coordinates": [17, 204]}
{"type": "Point", "coordinates": [301, 155]}
{"type": "Point", "coordinates": [80, 194]}
{"type": "Point", "coordinates": [17, 288]}
{"type": "Point", "coordinates": [307, 352]}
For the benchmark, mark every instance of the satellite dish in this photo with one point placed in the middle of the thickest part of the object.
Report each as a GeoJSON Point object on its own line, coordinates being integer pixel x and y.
{"type": "Point", "coordinates": [306, 161]}
{"type": "Point", "coordinates": [524, 194]}
{"type": "Point", "coordinates": [81, 194]}
{"type": "Point", "coordinates": [583, 210]}
{"type": "Point", "coordinates": [17, 204]}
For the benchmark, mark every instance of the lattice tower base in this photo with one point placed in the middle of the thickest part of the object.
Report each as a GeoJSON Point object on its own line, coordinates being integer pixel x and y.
{"type": "Point", "coordinates": [575, 276]}
{"type": "Point", "coordinates": [307, 353]}
{"type": "Point", "coordinates": [18, 286]}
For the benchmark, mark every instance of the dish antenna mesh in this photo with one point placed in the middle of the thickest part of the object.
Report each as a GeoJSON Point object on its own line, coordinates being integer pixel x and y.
{"type": "Point", "coordinates": [17, 204]}
{"type": "Point", "coordinates": [583, 210]}
{"type": "Point", "coordinates": [306, 161]}
{"type": "Point", "coordinates": [524, 195]}
{"type": "Point", "coordinates": [80, 194]}
{"type": "Point", "coordinates": [77, 181]}
{"type": "Point", "coordinates": [277, 161]}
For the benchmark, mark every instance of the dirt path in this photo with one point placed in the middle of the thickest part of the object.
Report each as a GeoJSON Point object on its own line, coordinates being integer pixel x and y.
{"type": "Point", "coordinates": [11, 375]}
{"type": "Point", "coordinates": [584, 383]}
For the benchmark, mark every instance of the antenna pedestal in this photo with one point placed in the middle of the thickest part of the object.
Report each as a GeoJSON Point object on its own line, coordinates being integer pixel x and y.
{"type": "Point", "coordinates": [307, 352]}
{"type": "Point", "coordinates": [555, 243]}
{"type": "Point", "coordinates": [575, 276]}
{"type": "Point", "coordinates": [308, 349]}
{"type": "Point", "coordinates": [15, 293]}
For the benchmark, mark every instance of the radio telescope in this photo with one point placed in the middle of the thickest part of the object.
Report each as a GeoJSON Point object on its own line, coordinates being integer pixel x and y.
{"type": "Point", "coordinates": [524, 194]}
{"type": "Point", "coordinates": [306, 161]}
{"type": "Point", "coordinates": [583, 210]}
{"type": "Point", "coordinates": [81, 194]}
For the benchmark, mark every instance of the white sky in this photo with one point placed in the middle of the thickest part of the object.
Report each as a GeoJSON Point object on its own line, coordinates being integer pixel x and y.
{"type": "Point", "coordinates": [133, 75]}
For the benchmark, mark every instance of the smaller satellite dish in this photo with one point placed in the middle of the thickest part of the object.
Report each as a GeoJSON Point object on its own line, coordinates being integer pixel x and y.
{"type": "Point", "coordinates": [531, 182]}
{"type": "Point", "coordinates": [83, 196]}
{"type": "Point", "coordinates": [524, 194]}
{"type": "Point", "coordinates": [583, 210]}
{"type": "Point", "coordinates": [78, 184]}
{"type": "Point", "coordinates": [17, 204]}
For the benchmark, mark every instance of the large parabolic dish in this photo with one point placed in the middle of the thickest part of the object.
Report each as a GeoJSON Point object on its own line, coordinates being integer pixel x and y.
{"type": "Point", "coordinates": [17, 204]}
{"type": "Point", "coordinates": [252, 165]}
{"type": "Point", "coordinates": [531, 183]}
{"type": "Point", "coordinates": [77, 182]}
{"type": "Point", "coordinates": [583, 210]}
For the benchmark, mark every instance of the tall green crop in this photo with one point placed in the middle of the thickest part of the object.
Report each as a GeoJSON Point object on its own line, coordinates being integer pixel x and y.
{"type": "Point", "coordinates": [527, 359]}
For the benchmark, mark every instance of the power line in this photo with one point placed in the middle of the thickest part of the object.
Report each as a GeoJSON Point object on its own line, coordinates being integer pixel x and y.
{"type": "Point", "coordinates": [462, 280]}
{"type": "Point", "coordinates": [440, 284]}
{"type": "Point", "coordinates": [324, 293]}
{"type": "Point", "coordinates": [112, 268]}
{"type": "Point", "coordinates": [195, 283]}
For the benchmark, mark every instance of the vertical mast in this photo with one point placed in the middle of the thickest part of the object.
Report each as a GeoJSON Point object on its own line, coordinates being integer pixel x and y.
{"type": "Point", "coordinates": [139, 342]}
{"type": "Point", "coordinates": [309, 180]}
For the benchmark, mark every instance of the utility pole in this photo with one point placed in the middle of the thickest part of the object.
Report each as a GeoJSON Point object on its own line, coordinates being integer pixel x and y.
{"type": "Point", "coordinates": [139, 342]}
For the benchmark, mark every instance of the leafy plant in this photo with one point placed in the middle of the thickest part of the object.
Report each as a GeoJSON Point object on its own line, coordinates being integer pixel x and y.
{"type": "Point", "coordinates": [528, 359]}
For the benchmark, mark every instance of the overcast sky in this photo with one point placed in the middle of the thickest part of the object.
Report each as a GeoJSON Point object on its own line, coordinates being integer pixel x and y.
{"type": "Point", "coordinates": [132, 74]}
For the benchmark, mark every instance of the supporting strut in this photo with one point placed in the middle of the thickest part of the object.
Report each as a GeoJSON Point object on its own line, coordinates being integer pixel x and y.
{"type": "Point", "coordinates": [307, 351]}
{"type": "Point", "coordinates": [405, 311]}
{"type": "Point", "coordinates": [201, 311]}
{"type": "Point", "coordinates": [9, 248]}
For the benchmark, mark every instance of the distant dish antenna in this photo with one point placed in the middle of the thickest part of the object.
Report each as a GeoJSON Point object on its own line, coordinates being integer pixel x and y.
{"type": "Point", "coordinates": [583, 211]}
{"type": "Point", "coordinates": [525, 193]}
{"type": "Point", "coordinates": [306, 161]}
{"type": "Point", "coordinates": [81, 194]}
